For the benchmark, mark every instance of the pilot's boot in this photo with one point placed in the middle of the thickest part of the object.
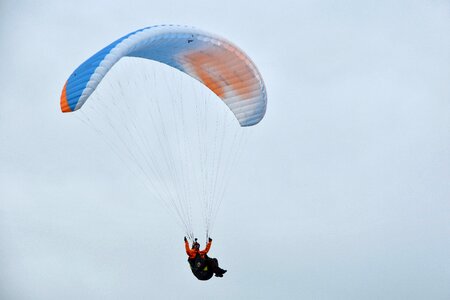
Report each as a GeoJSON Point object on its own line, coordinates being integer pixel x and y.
{"type": "Point", "coordinates": [220, 272]}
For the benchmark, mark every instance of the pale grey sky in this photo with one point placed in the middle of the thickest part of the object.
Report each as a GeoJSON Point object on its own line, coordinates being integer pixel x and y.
{"type": "Point", "coordinates": [342, 194]}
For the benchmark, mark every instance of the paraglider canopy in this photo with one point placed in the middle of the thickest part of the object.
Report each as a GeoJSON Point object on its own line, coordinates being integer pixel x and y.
{"type": "Point", "coordinates": [214, 61]}
{"type": "Point", "coordinates": [182, 149]}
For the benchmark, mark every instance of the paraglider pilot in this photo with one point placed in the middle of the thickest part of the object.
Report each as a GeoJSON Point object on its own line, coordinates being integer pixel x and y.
{"type": "Point", "coordinates": [202, 266]}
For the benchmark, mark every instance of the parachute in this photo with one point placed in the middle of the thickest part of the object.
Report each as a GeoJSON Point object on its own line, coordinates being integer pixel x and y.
{"type": "Point", "coordinates": [218, 65]}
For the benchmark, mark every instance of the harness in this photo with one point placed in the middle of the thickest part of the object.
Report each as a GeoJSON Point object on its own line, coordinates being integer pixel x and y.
{"type": "Point", "coordinates": [199, 267]}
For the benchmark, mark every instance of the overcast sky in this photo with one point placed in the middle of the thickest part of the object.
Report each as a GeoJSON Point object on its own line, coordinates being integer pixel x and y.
{"type": "Point", "coordinates": [342, 193]}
